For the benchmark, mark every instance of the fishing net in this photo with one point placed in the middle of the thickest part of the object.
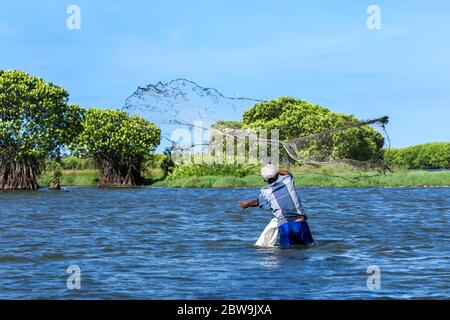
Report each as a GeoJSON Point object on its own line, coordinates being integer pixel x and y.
{"type": "Point", "coordinates": [182, 102]}
{"type": "Point", "coordinates": [198, 121]}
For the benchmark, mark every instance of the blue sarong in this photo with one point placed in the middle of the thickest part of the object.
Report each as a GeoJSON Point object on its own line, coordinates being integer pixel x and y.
{"type": "Point", "coordinates": [294, 232]}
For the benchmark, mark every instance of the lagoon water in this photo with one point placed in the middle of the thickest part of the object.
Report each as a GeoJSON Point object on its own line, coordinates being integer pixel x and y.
{"type": "Point", "coordinates": [161, 243]}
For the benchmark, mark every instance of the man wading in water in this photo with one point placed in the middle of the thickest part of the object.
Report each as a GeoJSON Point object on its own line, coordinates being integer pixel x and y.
{"type": "Point", "coordinates": [281, 197]}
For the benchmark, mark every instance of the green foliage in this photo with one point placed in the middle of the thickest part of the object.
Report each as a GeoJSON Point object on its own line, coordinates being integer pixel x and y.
{"type": "Point", "coordinates": [297, 118]}
{"type": "Point", "coordinates": [111, 133]}
{"type": "Point", "coordinates": [35, 122]}
{"type": "Point", "coordinates": [317, 179]}
{"type": "Point", "coordinates": [228, 124]}
{"type": "Point", "coordinates": [117, 143]}
{"type": "Point", "coordinates": [72, 178]}
{"type": "Point", "coordinates": [425, 156]}
{"type": "Point", "coordinates": [153, 162]}
{"type": "Point", "coordinates": [69, 163]}
{"type": "Point", "coordinates": [56, 177]}
{"type": "Point", "coordinates": [76, 163]}
{"type": "Point", "coordinates": [35, 119]}
{"type": "Point", "coordinates": [199, 170]}
{"type": "Point", "coordinates": [207, 182]}
{"type": "Point", "coordinates": [166, 164]}
{"type": "Point", "coordinates": [362, 143]}
{"type": "Point", "coordinates": [158, 163]}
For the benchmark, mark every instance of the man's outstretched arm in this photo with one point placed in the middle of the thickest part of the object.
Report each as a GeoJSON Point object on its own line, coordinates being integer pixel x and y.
{"type": "Point", "coordinates": [248, 204]}
{"type": "Point", "coordinates": [282, 172]}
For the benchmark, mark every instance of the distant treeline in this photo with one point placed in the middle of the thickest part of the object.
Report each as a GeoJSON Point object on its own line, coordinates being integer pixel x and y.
{"type": "Point", "coordinates": [426, 156]}
{"type": "Point", "coordinates": [70, 163]}
{"type": "Point", "coordinates": [154, 161]}
{"type": "Point", "coordinates": [434, 155]}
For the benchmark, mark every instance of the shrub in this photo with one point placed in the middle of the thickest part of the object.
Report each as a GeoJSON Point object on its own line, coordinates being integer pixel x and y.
{"type": "Point", "coordinates": [200, 170]}
{"type": "Point", "coordinates": [297, 118]}
{"type": "Point", "coordinates": [425, 156]}
{"type": "Point", "coordinates": [117, 143]}
{"type": "Point", "coordinates": [36, 121]}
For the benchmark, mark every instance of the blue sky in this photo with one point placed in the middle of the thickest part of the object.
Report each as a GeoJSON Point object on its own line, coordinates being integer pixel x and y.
{"type": "Point", "coordinates": [320, 51]}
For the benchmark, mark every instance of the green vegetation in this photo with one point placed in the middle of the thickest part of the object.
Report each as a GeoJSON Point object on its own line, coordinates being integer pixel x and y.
{"type": "Point", "coordinates": [203, 169]}
{"type": "Point", "coordinates": [229, 124]}
{"type": "Point", "coordinates": [229, 176]}
{"type": "Point", "coordinates": [157, 163]}
{"type": "Point", "coordinates": [331, 176]}
{"type": "Point", "coordinates": [117, 143]}
{"type": "Point", "coordinates": [88, 177]}
{"type": "Point", "coordinates": [35, 122]}
{"type": "Point", "coordinates": [69, 163]}
{"type": "Point", "coordinates": [112, 148]}
{"type": "Point", "coordinates": [55, 179]}
{"type": "Point", "coordinates": [297, 118]}
{"type": "Point", "coordinates": [425, 156]}
{"type": "Point", "coordinates": [397, 179]}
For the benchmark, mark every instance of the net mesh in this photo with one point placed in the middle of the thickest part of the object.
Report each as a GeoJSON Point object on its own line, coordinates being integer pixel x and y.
{"type": "Point", "coordinates": [182, 103]}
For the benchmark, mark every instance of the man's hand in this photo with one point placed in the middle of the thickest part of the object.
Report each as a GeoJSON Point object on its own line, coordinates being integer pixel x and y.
{"type": "Point", "coordinates": [248, 204]}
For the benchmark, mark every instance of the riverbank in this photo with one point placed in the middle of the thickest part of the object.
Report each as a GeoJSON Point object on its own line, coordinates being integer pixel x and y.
{"type": "Point", "coordinates": [304, 179]}
{"type": "Point", "coordinates": [88, 177]}
{"type": "Point", "coordinates": [341, 180]}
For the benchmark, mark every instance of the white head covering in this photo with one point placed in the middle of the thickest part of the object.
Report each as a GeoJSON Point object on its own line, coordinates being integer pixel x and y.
{"type": "Point", "coordinates": [268, 171]}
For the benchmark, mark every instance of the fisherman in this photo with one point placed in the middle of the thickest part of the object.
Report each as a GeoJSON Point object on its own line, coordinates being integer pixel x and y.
{"type": "Point", "coordinates": [280, 196]}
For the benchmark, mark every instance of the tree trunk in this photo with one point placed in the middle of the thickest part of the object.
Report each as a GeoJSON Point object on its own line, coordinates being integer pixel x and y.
{"type": "Point", "coordinates": [124, 174]}
{"type": "Point", "coordinates": [19, 175]}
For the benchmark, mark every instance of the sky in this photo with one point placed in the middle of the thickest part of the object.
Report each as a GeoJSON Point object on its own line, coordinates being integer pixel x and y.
{"type": "Point", "coordinates": [319, 51]}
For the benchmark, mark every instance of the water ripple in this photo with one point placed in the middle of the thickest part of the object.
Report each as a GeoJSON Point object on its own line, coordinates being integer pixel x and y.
{"type": "Point", "coordinates": [132, 244]}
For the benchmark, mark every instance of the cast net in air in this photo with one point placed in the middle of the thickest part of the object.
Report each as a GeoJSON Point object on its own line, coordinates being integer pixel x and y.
{"type": "Point", "coordinates": [198, 120]}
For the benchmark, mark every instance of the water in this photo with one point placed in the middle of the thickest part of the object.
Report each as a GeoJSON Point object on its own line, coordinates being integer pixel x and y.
{"type": "Point", "coordinates": [157, 243]}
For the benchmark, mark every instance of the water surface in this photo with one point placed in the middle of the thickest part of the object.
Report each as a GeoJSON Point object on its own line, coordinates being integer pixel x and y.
{"type": "Point", "coordinates": [161, 243]}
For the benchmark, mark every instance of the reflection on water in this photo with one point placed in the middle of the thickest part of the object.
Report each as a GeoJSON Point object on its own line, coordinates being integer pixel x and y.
{"type": "Point", "coordinates": [275, 258]}
{"type": "Point", "coordinates": [156, 243]}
